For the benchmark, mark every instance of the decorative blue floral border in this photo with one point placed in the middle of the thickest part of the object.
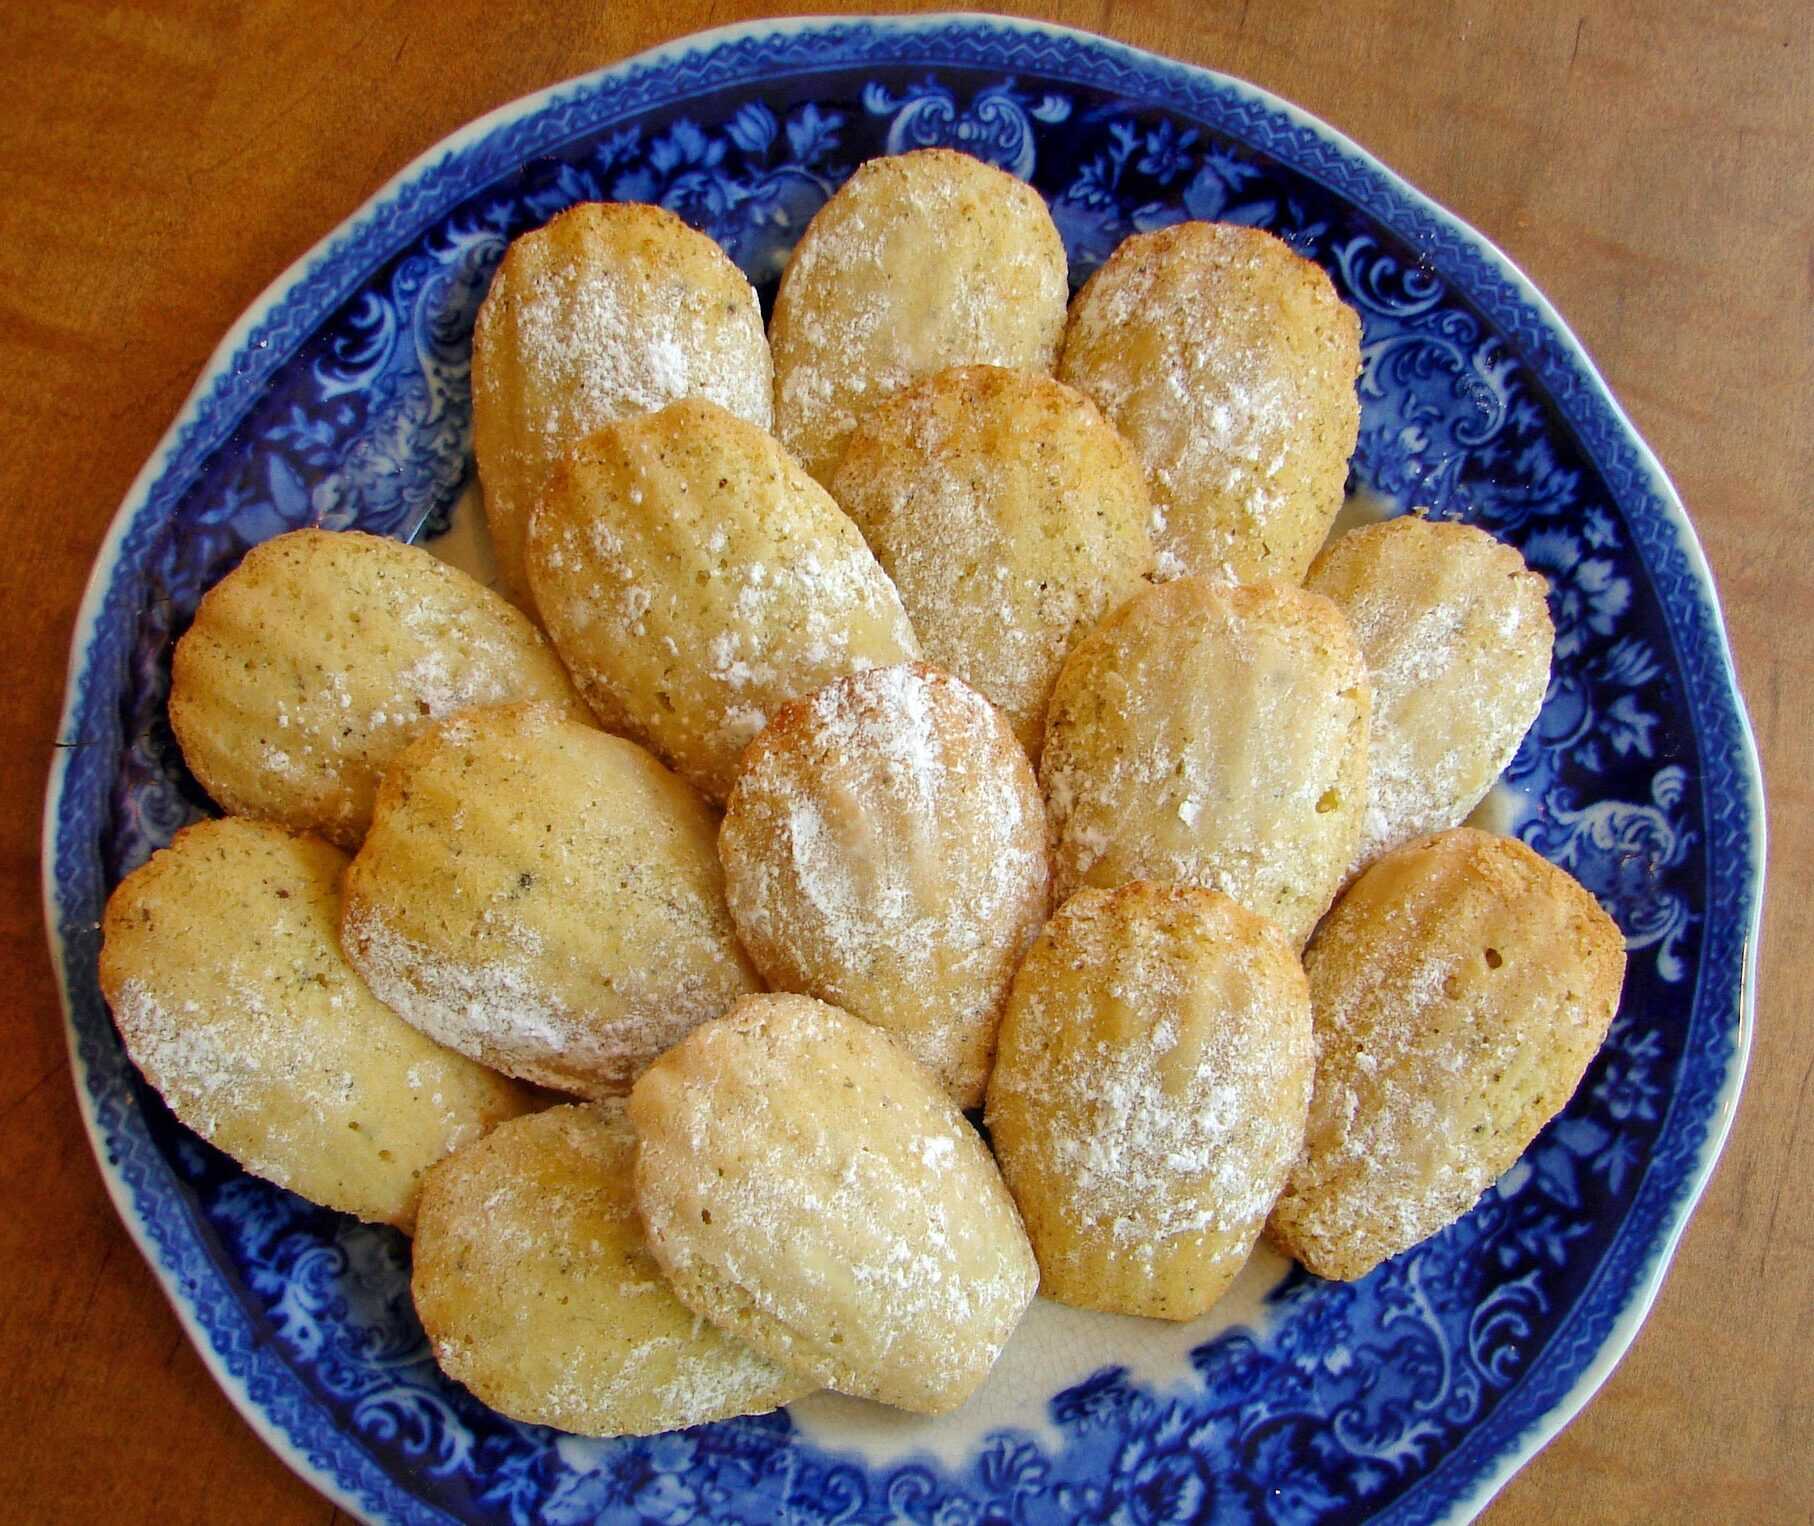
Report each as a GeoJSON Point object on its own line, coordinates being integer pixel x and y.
{"type": "Point", "coordinates": [182, 1230]}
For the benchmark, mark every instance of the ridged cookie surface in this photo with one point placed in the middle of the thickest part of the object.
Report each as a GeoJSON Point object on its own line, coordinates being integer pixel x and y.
{"type": "Point", "coordinates": [545, 898]}
{"type": "Point", "coordinates": [1229, 364]}
{"type": "Point", "coordinates": [1011, 518]}
{"type": "Point", "coordinates": [808, 1187]}
{"type": "Point", "coordinates": [694, 578]}
{"type": "Point", "coordinates": [885, 850]}
{"type": "Point", "coordinates": [611, 309]}
{"type": "Point", "coordinates": [1149, 1094]}
{"type": "Point", "coordinates": [1459, 989]}
{"type": "Point", "coordinates": [221, 962]}
{"type": "Point", "coordinates": [1457, 636]}
{"type": "Point", "coordinates": [1213, 735]}
{"type": "Point", "coordinates": [314, 663]}
{"type": "Point", "coordinates": [920, 261]}
{"type": "Point", "coordinates": [534, 1282]}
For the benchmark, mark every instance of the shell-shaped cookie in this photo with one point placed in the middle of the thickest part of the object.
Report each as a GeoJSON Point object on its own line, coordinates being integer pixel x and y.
{"type": "Point", "coordinates": [885, 851]}
{"type": "Point", "coordinates": [545, 898]}
{"type": "Point", "coordinates": [809, 1187]}
{"type": "Point", "coordinates": [315, 662]}
{"type": "Point", "coordinates": [611, 309]}
{"type": "Point", "coordinates": [694, 579]}
{"type": "Point", "coordinates": [1459, 989]}
{"type": "Point", "coordinates": [1229, 364]}
{"type": "Point", "coordinates": [920, 261]}
{"type": "Point", "coordinates": [1011, 517]}
{"type": "Point", "coordinates": [1214, 735]}
{"type": "Point", "coordinates": [221, 961]}
{"type": "Point", "coordinates": [1457, 636]}
{"type": "Point", "coordinates": [1149, 1095]}
{"type": "Point", "coordinates": [533, 1279]}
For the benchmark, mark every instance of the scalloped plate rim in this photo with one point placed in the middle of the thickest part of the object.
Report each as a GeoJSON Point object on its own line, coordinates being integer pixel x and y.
{"type": "Point", "coordinates": [1474, 1496]}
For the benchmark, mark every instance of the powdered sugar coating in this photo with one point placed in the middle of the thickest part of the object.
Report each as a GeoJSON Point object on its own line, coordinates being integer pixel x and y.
{"type": "Point", "coordinates": [1011, 517]}
{"type": "Point", "coordinates": [1459, 989]}
{"type": "Point", "coordinates": [611, 309]}
{"type": "Point", "coordinates": [1228, 363]}
{"type": "Point", "coordinates": [694, 578]}
{"type": "Point", "coordinates": [1457, 636]}
{"type": "Point", "coordinates": [1149, 1096]}
{"type": "Point", "coordinates": [810, 1188]}
{"type": "Point", "coordinates": [545, 898]}
{"type": "Point", "coordinates": [1212, 735]}
{"type": "Point", "coordinates": [535, 1285]}
{"type": "Point", "coordinates": [221, 963]}
{"type": "Point", "coordinates": [314, 663]}
{"type": "Point", "coordinates": [885, 850]}
{"type": "Point", "coordinates": [920, 261]}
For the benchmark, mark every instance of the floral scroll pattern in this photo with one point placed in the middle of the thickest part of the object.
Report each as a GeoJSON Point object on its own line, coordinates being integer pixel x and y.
{"type": "Point", "coordinates": [348, 406]}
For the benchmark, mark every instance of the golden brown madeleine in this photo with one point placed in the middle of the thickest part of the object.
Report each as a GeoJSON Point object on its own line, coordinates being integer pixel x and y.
{"type": "Point", "coordinates": [534, 1281]}
{"type": "Point", "coordinates": [809, 1188]}
{"type": "Point", "coordinates": [612, 309]}
{"type": "Point", "coordinates": [1011, 518]}
{"type": "Point", "coordinates": [920, 261]}
{"type": "Point", "coordinates": [221, 962]}
{"type": "Point", "coordinates": [545, 898]}
{"type": "Point", "coordinates": [1457, 637]}
{"type": "Point", "coordinates": [1213, 735]}
{"type": "Point", "coordinates": [694, 578]}
{"type": "Point", "coordinates": [315, 662]}
{"type": "Point", "coordinates": [884, 850]}
{"type": "Point", "coordinates": [1459, 989]}
{"type": "Point", "coordinates": [1149, 1095]}
{"type": "Point", "coordinates": [1229, 364]}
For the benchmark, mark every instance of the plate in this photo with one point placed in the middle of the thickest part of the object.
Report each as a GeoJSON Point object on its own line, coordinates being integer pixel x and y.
{"type": "Point", "coordinates": [341, 399]}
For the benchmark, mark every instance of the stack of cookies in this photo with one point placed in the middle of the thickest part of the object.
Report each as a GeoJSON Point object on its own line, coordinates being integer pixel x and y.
{"type": "Point", "coordinates": [937, 703]}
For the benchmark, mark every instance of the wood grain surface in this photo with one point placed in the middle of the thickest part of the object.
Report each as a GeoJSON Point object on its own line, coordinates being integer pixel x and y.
{"type": "Point", "coordinates": [1647, 164]}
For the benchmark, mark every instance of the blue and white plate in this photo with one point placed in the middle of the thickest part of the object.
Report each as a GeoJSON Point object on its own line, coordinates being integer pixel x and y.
{"type": "Point", "coordinates": [341, 400]}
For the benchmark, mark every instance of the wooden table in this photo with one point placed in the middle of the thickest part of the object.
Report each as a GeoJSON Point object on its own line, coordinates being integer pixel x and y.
{"type": "Point", "coordinates": [1647, 164]}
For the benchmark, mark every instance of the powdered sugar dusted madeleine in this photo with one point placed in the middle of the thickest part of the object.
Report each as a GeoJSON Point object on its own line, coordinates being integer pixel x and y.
{"type": "Point", "coordinates": [220, 960]}
{"type": "Point", "coordinates": [1214, 735]}
{"type": "Point", "coordinates": [534, 1281]}
{"type": "Point", "coordinates": [1149, 1096]}
{"type": "Point", "coordinates": [1011, 518]}
{"type": "Point", "coordinates": [612, 308]}
{"type": "Point", "coordinates": [1229, 364]}
{"type": "Point", "coordinates": [808, 1187]}
{"type": "Point", "coordinates": [545, 898]}
{"type": "Point", "coordinates": [694, 578]}
{"type": "Point", "coordinates": [314, 662]}
{"type": "Point", "coordinates": [1459, 989]}
{"type": "Point", "coordinates": [920, 261]}
{"type": "Point", "coordinates": [1457, 636]}
{"type": "Point", "coordinates": [885, 850]}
